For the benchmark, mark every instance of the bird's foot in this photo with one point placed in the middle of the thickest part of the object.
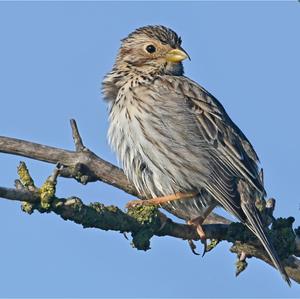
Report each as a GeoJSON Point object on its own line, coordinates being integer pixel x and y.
{"type": "Point", "coordinates": [197, 222]}
{"type": "Point", "coordinates": [160, 200]}
{"type": "Point", "coordinates": [163, 220]}
{"type": "Point", "coordinates": [193, 247]}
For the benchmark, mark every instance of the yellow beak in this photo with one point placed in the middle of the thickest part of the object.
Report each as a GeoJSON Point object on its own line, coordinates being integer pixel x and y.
{"type": "Point", "coordinates": [176, 55]}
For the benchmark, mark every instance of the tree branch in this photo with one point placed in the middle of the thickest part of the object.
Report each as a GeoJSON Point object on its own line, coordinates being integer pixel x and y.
{"type": "Point", "coordinates": [96, 215]}
{"type": "Point", "coordinates": [77, 164]}
{"type": "Point", "coordinates": [141, 222]}
{"type": "Point", "coordinates": [82, 164]}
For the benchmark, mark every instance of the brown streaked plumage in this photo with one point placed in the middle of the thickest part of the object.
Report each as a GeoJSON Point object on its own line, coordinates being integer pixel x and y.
{"type": "Point", "coordinates": [172, 136]}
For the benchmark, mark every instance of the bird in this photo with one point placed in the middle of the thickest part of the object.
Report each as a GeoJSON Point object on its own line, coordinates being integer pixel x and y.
{"type": "Point", "coordinates": [174, 139]}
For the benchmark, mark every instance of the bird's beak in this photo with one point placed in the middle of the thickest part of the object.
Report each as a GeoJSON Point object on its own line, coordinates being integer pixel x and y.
{"type": "Point", "coordinates": [177, 55]}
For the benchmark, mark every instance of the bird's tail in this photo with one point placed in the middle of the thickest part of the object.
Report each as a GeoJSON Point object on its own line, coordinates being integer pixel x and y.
{"type": "Point", "coordinates": [256, 226]}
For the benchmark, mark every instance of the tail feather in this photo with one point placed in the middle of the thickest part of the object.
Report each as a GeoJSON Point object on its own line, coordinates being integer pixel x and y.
{"type": "Point", "coordinates": [256, 226]}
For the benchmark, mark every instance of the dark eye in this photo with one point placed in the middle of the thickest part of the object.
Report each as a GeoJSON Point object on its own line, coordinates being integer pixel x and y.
{"type": "Point", "coordinates": [150, 49]}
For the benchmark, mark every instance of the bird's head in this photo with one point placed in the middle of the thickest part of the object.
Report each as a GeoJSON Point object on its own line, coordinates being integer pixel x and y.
{"type": "Point", "coordinates": [155, 49]}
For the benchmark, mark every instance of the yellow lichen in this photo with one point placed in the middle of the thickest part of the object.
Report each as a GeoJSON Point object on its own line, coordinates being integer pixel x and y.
{"type": "Point", "coordinates": [240, 266]}
{"type": "Point", "coordinates": [27, 207]}
{"type": "Point", "coordinates": [144, 214]}
{"type": "Point", "coordinates": [213, 243]}
{"type": "Point", "coordinates": [24, 175]}
{"type": "Point", "coordinates": [47, 193]}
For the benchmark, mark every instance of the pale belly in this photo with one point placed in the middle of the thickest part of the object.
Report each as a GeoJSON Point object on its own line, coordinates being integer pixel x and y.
{"type": "Point", "coordinates": [159, 159]}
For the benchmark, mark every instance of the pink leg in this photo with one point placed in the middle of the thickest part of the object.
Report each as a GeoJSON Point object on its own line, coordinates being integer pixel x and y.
{"type": "Point", "coordinates": [161, 200]}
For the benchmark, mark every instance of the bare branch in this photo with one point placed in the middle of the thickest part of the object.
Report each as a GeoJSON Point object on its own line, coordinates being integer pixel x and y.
{"type": "Point", "coordinates": [19, 195]}
{"type": "Point", "coordinates": [76, 164]}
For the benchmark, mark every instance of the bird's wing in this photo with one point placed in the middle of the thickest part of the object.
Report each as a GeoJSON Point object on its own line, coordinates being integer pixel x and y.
{"type": "Point", "coordinates": [233, 178]}
{"type": "Point", "coordinates": [232, 155]}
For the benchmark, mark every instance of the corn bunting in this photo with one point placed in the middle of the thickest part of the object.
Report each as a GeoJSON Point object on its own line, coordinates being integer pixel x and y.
{"type": "Point", "coordinates": [174, 139]}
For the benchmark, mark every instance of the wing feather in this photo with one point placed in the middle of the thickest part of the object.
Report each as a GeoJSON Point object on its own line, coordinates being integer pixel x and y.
{"type": "Point", "coordinates": [229, 153]}
{"type": "Point", "coordinates": [232, 159]}
{"type": "Point", "coordinates": [231, 144]}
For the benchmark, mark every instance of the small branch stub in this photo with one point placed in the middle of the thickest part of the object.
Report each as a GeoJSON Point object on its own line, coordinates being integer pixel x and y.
{"type": "Point", "coordinates": [25, 183]}
{"type": "Point", "coordinates": [25, 178]}
{"type": "Point", "coordinates": [47, 191]}
{"type": "Point", "coordinates": [241, 263]}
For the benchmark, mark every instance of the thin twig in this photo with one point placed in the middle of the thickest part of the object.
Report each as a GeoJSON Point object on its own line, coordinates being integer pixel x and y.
{"type": "Point", "coordinates": [79, 146]}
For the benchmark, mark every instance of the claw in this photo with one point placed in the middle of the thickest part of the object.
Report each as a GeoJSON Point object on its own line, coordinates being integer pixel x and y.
{"type": "Point", "coordinates": [125, 236]}
{"type": "Point", "coordinates": [204, 242]}
{"type": "Point", "coordinates": [197, 224]}
{"type": "Point", "coordinates": [202, 236]}
{"type": "Point", "coordinates": [193, 247]}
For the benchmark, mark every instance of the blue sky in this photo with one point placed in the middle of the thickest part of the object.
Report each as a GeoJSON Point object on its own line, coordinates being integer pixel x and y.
{"type": "Point", "coordinates": [53, 57]}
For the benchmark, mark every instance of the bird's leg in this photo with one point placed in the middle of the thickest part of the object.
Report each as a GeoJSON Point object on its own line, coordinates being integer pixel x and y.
{"type": "Point", "coordinates": [163, 220]}
{"type": "Point", "coordinates": [161, 200]}
{"type": "Point", "coordinates": [197, 222]}
{"type": "Point", "coordinates": [193, 247]}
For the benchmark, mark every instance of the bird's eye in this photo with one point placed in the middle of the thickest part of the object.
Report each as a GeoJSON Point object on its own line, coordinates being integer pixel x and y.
{"type": "Point", "coordinates": [150, 49]}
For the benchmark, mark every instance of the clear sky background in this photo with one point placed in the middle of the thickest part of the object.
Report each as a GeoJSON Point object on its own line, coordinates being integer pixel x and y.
{"type": "Point", "coordinates": [53, 57]}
